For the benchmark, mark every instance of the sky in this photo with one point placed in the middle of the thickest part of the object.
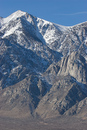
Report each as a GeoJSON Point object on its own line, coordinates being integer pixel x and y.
{"type": "Point", "coordinates": [64, 12]}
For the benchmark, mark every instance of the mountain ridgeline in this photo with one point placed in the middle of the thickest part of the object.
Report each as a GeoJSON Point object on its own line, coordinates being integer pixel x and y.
{"type": "Point", "coordinates": [43, 67]}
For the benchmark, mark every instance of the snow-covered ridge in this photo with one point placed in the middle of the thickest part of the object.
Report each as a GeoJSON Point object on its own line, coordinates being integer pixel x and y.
{"type": "Point", "coordinates": [1, 21]}
{"type": "Point", "coordinates": [57, 37]}
{"type": "Point", "coordinates": [40, 23]}
{"type": "Point", "coordinates": [45, 22]}
{"type": "Point", "coordinates": [14, 16]}
{"type": "Point", "coordinates": [12, 24]}
{"type": "Point", "coordinates": [20, 13]}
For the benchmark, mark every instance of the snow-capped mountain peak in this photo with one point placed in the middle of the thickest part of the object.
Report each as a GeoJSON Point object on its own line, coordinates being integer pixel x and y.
{"type": "Point", "coordinates": [43, 66]}
{"type": "Point", "coordinates": [57, 37]}
{"type": "Point", "coordinates": [14, 16]}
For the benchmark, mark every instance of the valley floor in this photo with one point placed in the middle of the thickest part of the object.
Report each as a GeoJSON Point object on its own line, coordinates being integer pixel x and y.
{"type": "Point", "coordinates": [59, 123]}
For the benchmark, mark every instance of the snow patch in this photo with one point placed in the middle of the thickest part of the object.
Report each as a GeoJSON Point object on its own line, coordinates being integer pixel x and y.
{"type": "Point", "coordinates": [14, 16]}
{"type": "Point", "coordinates": [13, 30]}
{"type": "Point", "coordinates": [61, 27]}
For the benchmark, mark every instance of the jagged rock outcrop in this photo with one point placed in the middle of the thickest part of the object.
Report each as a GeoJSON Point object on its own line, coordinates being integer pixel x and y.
{"type": "Point", "coordinates": [74, 65]}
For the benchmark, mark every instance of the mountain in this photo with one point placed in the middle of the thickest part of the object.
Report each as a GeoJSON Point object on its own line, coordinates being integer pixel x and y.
{"type": "Point", "coordinates": [43, 67]}
{"type": "Point", "coordinates": [69, 87]}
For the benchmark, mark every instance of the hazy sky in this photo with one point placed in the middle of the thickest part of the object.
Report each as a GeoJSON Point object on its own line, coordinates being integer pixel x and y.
{"type": "Point", "coordinates": [64, 12]}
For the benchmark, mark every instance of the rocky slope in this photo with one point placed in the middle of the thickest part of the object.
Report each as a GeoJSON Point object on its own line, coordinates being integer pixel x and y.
{"type": "Point", "coordinates": [69, 87]}
{"type": "Point", "coordinates": [43, 67]}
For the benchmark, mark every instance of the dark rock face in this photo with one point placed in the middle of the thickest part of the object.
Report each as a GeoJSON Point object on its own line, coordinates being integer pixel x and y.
{"type": "Point", "coordinates": [43, 67]}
